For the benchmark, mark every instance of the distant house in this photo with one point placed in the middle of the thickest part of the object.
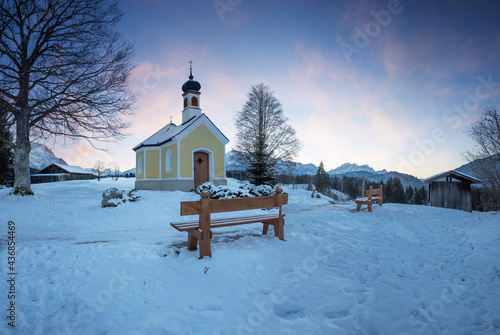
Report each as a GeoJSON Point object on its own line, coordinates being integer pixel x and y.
{"type": "Point", "coordinates": [181, 157]}
{"type": "Point", "coordinates": [60, 172]}
{"type": "Point", "coordinates": [451, 189]}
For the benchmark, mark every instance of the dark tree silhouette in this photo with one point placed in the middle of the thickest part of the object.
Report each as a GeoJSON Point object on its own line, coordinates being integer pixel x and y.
{"type": "Point", "coordinates": [485, 157]}
{"type": "Point", "coordinates": [6, 154]}
{"type": "Point", "coordinates": [63, 72]}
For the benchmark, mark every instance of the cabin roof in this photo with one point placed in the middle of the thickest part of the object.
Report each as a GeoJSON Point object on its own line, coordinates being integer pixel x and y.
{"type": "Point", "coordinates": [67, 168]}
{"type": "Point", "coordinates": [453, 174]}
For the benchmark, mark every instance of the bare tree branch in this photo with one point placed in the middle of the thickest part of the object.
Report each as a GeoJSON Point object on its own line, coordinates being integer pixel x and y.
{"type": "Point", "coordinates": [485, 158]}
{"type": "Point", "coordinates": [263, 136]}
{"type": "Point", "coordinates": [63, 72]}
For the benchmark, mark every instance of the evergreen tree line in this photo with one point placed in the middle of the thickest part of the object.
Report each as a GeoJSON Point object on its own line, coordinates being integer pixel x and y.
{"type": "Point", "coordinates": [354, 187]}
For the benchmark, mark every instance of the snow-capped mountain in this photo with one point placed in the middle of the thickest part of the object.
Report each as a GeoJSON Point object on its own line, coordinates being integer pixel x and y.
{"type": "Point", "coordinates": [346, 169]}
{"type": "Point", "coordinates": [41, 156]}
{"type": "Point", "coordinates": [353, 167]}
{"type": "Point", "coordinates": [307, 169]}
{"type": "Point", "coordinates": [298, 169]}
{"type": "Point", "coordinates": [128, 172]}
{"type": "Point", "coordinates": [231, 162]}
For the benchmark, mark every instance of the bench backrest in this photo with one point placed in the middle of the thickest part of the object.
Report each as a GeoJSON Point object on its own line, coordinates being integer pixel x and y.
{"type": "Point", "coordinates": [231, 205]}
{"type": "Point", "coordinates": [373, 191]}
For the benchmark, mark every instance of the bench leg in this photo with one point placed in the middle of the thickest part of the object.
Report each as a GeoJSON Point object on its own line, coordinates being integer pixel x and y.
{"type": "Point", "coordinates": [205, 245]}
{"type": "Point", "coordinates": [265, 227]}
{"type": "Point", "coordinates": [192, 242]}
{"type": "Point", "coordinates": [358, 207]}
{"type": "Point", "coordinates": [369, 206]}
{"type": "Point", "coordinates": [279, 230]}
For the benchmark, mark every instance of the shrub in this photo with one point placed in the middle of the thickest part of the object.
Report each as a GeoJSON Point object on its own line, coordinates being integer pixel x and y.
{"type": "Point", "coordinates": [245, 190]}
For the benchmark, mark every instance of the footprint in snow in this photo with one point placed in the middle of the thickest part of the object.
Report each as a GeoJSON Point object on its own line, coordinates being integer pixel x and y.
{"type": "Point", "coordinates": [336, 314]}
{"type": "Point", "coordinates": [205, 308]}
{"type": "Point", "coordinates": [289, 314]}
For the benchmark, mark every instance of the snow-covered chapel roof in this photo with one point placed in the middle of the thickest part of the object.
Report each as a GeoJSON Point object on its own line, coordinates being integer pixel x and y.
{"type": "Point", "coordinates": [172, 132]}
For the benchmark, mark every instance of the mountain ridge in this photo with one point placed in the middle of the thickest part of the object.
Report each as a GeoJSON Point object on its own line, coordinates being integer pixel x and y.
{"type": "Point", "coordinates": [42, 156]}
{"type": "Point", "coordinates": [301, 169]}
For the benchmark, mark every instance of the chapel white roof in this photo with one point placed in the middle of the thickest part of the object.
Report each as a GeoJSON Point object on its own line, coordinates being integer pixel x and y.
{"type": "Point", "coordinates": [171, 131]}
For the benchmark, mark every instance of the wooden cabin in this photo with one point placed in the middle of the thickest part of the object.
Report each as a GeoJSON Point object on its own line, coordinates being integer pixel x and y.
{"type": "Point", "coordinates": [60, 172]}
{"type": "Point", "coordinates": [451, 189]}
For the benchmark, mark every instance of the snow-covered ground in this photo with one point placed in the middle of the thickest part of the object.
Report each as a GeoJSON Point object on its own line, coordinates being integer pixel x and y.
{"type": "Point", "coordinates": [83, 269]}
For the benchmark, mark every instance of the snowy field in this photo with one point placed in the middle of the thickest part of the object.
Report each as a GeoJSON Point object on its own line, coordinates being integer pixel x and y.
{"type": "Point", "coordinates": [83, 269]}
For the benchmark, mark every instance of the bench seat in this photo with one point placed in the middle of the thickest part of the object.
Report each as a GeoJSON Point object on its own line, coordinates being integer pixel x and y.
{"type": "Point", "coordinates": [365, 199]}
{"type": "Point", "coordinates": [225, 222]}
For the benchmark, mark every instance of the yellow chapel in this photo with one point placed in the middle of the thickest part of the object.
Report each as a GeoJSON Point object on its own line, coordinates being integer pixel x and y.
{"type": "Point", "coordinates": [181, 157]}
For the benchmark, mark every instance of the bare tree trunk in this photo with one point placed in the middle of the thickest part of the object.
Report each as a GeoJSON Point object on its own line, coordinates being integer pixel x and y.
{"type": "Point", "coordinates": [22, 182]}
{"type": "Point", "coordinates": [63, 72]}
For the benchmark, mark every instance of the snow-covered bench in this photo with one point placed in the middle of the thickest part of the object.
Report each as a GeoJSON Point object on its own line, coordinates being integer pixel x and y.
{"type": "Point", "coordinates": [369, 198]}
{"type": "Point", "coordinates": [200, 229]}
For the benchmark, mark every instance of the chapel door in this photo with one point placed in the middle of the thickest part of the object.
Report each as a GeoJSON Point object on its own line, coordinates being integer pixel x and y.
{"type": "Point", "coordinates": [200, 172]}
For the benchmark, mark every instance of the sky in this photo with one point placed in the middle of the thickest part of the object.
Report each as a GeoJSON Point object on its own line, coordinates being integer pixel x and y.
{"type": "Point", "coordinates": [392, 84]}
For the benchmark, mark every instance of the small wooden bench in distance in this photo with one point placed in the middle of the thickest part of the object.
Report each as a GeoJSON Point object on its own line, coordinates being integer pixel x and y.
{"type": "Point", "coordinates": [200, 230]}
{"type": "Point", "coordinates": [369, 198]}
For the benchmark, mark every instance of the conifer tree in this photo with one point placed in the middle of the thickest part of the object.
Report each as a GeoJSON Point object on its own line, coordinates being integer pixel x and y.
{"type": "Point", "coordinates": [388, 190]}
{"type": "Point", "coordinates": [321, 180]}
{"type": "Point", "coordinates": [419, 200]}
{"type": "Point", "coordinates": [410, 193]}
{"type": "Point", "coordinates": [398, 192]}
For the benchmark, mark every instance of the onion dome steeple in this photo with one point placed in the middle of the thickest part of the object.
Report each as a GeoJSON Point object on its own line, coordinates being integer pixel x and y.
{"type": "Point", "coordinates": [191, 85]}
{"type": "Point", "coordinates": [191, 97]}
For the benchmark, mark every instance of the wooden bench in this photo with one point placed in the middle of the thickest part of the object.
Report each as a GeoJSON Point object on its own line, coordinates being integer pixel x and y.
{"type": "Point", "coordinates": [199, 230]}
{"type": "Point", "coordinates": [369, 198]}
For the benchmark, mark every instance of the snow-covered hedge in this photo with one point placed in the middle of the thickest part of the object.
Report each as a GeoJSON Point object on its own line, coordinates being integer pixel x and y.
{"type": "Point", "coordinates": [113, 197]}
{"type": "Point", "coordinates": [244, 190]}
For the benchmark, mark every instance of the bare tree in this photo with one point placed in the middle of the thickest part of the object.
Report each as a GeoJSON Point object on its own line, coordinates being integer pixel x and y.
{"type": "Point", "coordinates": [63, 72]}
{"type": "Point", "coordinates": [290, 167]}
{"type": "Point", "coordinates": [114, 169]}
{"type": "Point", "coordinates": [485, 157]}
{"type": "Point", "coordinates": [263, 136]}
{"type": "Point", "coordinates": [99, 169]}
